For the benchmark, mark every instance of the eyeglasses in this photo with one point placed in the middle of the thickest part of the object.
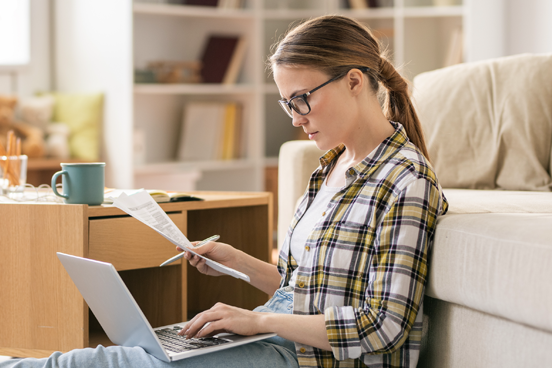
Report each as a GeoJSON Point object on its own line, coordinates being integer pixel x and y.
{"type": "Point", "coordinates": [300, 105]}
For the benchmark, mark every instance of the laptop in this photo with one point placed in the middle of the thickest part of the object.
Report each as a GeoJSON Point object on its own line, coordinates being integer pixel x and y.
{"type": "Point", "coordinates": [124, 322]}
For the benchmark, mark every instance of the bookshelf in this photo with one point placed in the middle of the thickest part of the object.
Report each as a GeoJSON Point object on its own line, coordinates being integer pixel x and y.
{"type": "Point", "coordinates": [99, 44]}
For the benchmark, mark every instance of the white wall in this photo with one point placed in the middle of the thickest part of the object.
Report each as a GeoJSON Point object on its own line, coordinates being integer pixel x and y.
{"type": "Point", "coordinates": [485, 29]}
{"type": "Point", "coordinates": [529, 26]}
{"type": "Point", "coordinates": [508, 27]}
{"type": "Point", "coordinates": [37, 77]}
{"type": "Point", "coordinates": [93, 43]}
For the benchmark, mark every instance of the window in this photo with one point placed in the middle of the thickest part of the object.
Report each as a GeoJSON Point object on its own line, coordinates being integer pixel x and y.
{"type": "Point", "coordinates": [15, 38]}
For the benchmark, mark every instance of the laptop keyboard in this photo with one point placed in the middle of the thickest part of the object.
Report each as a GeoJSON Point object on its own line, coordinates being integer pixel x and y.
{"type": "Point", "coordinates": [174, 343]}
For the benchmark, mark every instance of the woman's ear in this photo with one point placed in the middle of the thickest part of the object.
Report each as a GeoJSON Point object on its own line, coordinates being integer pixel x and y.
{"type": "Point", "coordinates": [355, 81]}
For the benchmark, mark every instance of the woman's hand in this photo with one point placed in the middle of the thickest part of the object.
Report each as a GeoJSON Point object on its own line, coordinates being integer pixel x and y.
{"type": "Point", "coordinates": [304, 329]}
{"type": "Point", "coordinates": [264, 276]}
{"type": "Point", "coordinates": [223, 318]}
{"type": "Point", "coordinates": [218, 252]}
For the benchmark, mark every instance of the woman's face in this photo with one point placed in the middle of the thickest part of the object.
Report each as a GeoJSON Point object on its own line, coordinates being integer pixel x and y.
{"type": "Point", "coordinates": [326, 122]}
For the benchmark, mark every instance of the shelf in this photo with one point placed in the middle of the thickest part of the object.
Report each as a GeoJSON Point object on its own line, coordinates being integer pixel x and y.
{"type": "Point", "coordinates": [196, 89]}
{"type": "Point", "coordinates": [191, 11]}
{"type": "Point", "coordinates": [369, 13]}
{"type": "Point", "coordinates": [291, 14]}
{"type": "Point", "coordinates": [433, 11]}
{"type": "Point", "coordinates": [182, 166]}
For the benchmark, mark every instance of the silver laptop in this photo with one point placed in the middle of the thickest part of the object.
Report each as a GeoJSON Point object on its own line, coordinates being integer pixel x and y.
{"type": "Point", "coordinates": [123, 320]}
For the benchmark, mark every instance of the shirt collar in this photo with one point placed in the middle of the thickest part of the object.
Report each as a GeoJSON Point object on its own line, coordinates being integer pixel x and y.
{"type": "Point", "coordinates": [379, 155]}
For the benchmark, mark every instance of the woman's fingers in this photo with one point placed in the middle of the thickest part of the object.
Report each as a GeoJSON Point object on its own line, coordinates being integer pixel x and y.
{"type": "Point", "coordinates": [202, 266]}
{"type": "Point", "coordinates": [210, 329]}
{"type": "Point", "coordinates": [222, 318]}
{"type": "Point", "coordinates": [203, 321]}
{"type": "Point", "coordinates": [194, 243]}
{"type": "Point", "coordinates": [197, 262]}
{"type": "Point", "coordinates": [218, 252]}
{"type": "Point", "coordinates": [197, 323]}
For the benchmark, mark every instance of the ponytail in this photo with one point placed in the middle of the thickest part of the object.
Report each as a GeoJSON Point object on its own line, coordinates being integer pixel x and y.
{"type": "Point", "coordinates": [397, 105]}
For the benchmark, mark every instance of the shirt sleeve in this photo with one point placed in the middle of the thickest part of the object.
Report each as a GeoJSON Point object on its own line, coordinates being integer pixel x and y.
{"type": "Point", "coordinates": [397, 278]}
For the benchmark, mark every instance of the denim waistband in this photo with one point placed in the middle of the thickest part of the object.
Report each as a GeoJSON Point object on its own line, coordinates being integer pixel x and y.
{"type": "Point", "coordinates": [285, 292]}
{"type": "Point", "coordinates": [281, 302]}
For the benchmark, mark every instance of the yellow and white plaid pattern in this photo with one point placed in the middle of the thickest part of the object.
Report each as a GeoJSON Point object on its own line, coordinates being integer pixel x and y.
{"type": "Point", "coordinates": [366, 261]}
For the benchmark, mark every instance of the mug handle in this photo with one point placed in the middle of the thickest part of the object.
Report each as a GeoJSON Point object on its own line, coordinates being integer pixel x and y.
{"type": "Point", "coordinates": [54, 178]}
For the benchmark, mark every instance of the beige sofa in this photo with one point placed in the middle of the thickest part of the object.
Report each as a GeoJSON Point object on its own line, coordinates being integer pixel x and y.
{"type": "Point", "coordinates": [488, 127]}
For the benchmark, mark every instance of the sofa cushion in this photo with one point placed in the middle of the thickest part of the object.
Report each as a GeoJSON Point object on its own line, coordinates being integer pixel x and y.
{"type": "Point", "coordinates": [83, 114]}
{"type": "Point", "coordinates": [496, 263]}
{"type": "Point", "coordinates": [461, 337]}
{"type": "Point", "coordinates": [498, 201]}
{"type": "Point", "coordinates": [296, 162]}
{"type": "Point", "coordinates": [489, 124]}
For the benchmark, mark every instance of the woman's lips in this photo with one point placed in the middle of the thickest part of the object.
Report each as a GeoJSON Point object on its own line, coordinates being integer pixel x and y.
{"type": "Point", "coordinates": [311, 135]}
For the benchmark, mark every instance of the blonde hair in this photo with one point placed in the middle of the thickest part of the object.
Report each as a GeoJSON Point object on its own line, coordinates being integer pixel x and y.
{"type": "Point", "coordinates": [336, 44]}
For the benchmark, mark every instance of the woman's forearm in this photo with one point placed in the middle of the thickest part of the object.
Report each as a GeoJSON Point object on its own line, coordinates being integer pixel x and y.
{"type": "Point", "coordinates": [263, 275]}
{"type": "Point", "coordinates": [307, 330]}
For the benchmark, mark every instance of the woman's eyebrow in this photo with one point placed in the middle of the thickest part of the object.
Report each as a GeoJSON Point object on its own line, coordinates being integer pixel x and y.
{"type": "Point", "coordinates": [293, 94]}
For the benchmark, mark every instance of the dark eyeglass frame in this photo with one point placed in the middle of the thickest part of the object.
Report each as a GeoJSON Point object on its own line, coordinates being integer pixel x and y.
{"type": "Point", "coordinates": [289, 105]}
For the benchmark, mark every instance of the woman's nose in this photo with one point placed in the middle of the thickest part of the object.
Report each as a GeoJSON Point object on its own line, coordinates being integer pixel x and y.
{"type": "Point", "coordinates": [298, 119]}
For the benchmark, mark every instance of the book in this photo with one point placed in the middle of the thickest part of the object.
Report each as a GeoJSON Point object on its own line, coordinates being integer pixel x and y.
{"type": "Point", "coordinates": [221, 59]}
{"type": "Point", "coordinates": [239, 140]}
{"type": "Point", "coordinates": [358, 4]}
{"type": "Point", "coordinates": [231, 130]}
{"type": "Point", "coordinates": [373, 3]}
{"type": "Point", "coordinates": [201, 131]}
{"type": "Point", "coordinates": [227, 131]}
{"type": "Point", "coordinates": [230, 4]}
{"type": "Point", "coordinates": [385, 3]}
{"type": "Point", "coordinates": [201, 2]}
{"type": "Point", "coordinates": [211, 131]}
{"type": "Point", "coordinates": [234, 68]}
{"type": "Point", "coordinates": [159, 196]}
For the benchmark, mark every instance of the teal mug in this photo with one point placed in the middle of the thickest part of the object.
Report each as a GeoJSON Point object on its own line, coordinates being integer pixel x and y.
{"type": "Point", "coordinates": [83, 183]}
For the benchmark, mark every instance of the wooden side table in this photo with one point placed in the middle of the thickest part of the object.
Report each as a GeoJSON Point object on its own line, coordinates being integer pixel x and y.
{"type": "Point", "coordinates": [41, 310]}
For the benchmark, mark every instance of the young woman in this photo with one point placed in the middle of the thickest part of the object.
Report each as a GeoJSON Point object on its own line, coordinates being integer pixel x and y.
{"type": "Point", "coordinates": [349, 285]}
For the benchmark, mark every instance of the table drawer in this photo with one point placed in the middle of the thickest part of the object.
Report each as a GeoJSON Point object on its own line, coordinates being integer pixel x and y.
{"type": "Point", "coordinates": [128, 244]}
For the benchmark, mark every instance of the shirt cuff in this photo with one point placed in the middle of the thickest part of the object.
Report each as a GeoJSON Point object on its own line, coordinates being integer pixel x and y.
{"type": "Point", "coordinates": [342, 331]}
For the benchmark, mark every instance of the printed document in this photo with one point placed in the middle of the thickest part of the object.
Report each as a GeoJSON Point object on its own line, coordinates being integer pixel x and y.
{"type": "Point", "coordinates": [143, 207]}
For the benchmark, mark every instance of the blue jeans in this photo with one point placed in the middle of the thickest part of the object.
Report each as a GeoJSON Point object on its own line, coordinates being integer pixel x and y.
{"type": "Point", "coordinates": [273, 352]}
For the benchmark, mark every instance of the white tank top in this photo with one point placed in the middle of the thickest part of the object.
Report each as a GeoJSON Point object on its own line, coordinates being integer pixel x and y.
{"type": "Point", "coordinates": [305, 226]}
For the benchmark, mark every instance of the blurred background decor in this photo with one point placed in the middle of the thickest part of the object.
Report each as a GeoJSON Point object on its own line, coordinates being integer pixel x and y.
{"type": "Point", "coordinates": [32, 138]}
{"type": "Point", "coordinates": [176, 71]}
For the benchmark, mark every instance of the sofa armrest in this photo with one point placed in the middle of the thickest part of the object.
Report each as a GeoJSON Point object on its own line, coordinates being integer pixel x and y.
{"type": "Point", "coordinates": [296, 162]}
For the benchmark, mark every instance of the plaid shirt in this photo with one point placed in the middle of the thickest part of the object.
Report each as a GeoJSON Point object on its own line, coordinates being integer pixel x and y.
{"type": "Point", "coordinates": [366, 261]}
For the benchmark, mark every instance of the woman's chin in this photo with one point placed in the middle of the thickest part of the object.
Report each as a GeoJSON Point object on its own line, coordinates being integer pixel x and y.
{"type": "Point", "coordinates": [322, 146]}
